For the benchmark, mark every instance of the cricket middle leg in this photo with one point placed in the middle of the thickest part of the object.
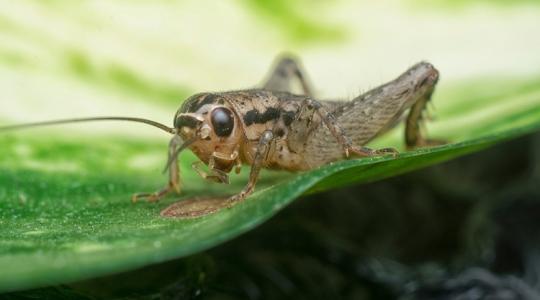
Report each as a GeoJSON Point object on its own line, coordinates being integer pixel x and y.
{"type": "Point", "coordinates": [262, 151]}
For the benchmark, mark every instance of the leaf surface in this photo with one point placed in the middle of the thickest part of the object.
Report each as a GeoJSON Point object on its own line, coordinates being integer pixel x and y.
{"type": "Point", "coordinates": [65, 211]}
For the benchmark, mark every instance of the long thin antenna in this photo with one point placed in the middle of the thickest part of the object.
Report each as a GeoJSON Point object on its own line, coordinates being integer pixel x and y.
{"type": "Point", "coordinates": [55, 122]}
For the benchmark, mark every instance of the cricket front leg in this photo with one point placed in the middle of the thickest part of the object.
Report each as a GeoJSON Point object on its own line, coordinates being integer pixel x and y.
{"type": "Point", "coordinates": [174, 176]}
{"type": "Point", "coordinates": [282, 76]}
{"type": "Point", "coordinates": [262, 151]}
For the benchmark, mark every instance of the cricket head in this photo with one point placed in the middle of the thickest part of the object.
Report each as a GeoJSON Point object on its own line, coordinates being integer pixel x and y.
{"type": "Point", "coordinates": [209, 124]}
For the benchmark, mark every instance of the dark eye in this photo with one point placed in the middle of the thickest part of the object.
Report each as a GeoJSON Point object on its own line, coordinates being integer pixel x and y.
{"type": "Point", "coordinates": [223, 121]}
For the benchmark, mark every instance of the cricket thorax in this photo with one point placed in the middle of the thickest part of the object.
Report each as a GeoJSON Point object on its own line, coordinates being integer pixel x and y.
{"type": "Point", "coordinates": [262, 111]}
{"type": "Point", "coordinates": [252, 112]}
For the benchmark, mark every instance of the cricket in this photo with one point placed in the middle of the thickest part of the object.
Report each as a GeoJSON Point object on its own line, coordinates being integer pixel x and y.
{"type": "Point", "coordinates": [273, 127]}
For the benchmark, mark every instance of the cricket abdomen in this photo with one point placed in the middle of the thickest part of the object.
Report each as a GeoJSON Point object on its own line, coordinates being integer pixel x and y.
{"type": "Point", "coordinates": [280, 155]}
{"type": "Point", "coordinates": [282, 158]}
{"type": "Point", "coordinates": [373, 113]}
{"type": "Point", "coordinates": [279, 158]}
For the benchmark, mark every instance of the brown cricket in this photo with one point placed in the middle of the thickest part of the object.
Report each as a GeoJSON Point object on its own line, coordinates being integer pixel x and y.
{"type": "Point", "coordinates": [271, 127]}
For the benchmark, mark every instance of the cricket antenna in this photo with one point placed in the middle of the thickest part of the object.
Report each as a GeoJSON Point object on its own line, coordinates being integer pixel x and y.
{"type": "Point", "coordinates": [78, 120]}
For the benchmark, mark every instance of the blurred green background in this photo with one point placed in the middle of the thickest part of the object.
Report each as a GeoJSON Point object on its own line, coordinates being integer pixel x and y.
{"type": "Point", "coordinates": [64, 59]}
{"type": "Point", "coordinates": [83, 58]}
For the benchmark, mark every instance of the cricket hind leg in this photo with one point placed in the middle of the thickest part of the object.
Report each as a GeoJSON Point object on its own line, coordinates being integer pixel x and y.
{"type": "Point", "coordinates": [413, 122]}
{"type": "Point", "coordinates": [319, 135]}
{"type": "Point", "coordinates": [174, 176]}
{"type": "Point", "coordinates": [376, 111]}
{"type": "Point", "coordinates": [339, 134]}
{"type": "Point", "coordinates": [284, 73]}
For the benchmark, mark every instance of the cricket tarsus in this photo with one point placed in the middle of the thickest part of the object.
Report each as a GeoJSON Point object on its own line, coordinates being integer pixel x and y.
{"type": "Point", "coordinates": [92, 119]}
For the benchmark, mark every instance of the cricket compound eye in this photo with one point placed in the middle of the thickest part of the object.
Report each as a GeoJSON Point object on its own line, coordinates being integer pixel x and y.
{"type": "Point", "coordinates": [222, 121]}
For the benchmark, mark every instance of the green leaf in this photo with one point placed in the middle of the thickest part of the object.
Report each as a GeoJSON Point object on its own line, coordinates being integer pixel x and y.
{"type": "Point", "coordinates": [65, 211]}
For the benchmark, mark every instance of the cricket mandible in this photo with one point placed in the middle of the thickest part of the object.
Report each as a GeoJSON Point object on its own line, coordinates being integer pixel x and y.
{"type": "Point", "coordinates": [272, 127]}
